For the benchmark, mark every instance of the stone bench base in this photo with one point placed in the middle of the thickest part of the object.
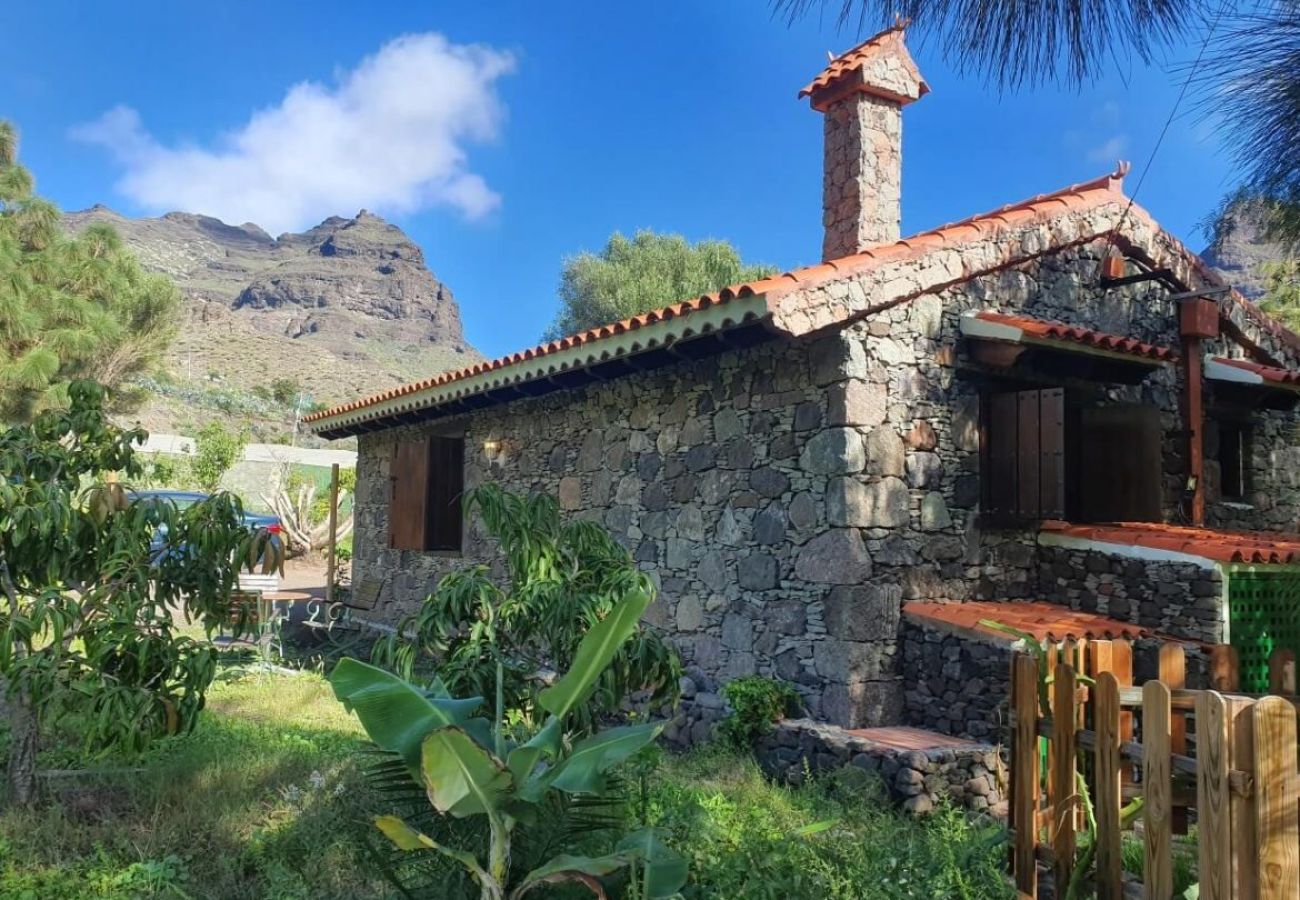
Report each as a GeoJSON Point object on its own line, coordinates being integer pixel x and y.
{"type": "Point", "coordinates": [918, 768]}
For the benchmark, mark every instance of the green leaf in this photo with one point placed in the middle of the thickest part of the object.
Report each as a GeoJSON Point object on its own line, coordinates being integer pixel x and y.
{"type": "Point", "coordinates": [814, 828]}
{"type": "Point", "coordinates": [663, 869]}
{"type": "Point", "coordinates": [581, 770]}
{"type": "Point", "coordinates": [524, 758]}
{"type": "Point", "coordinates": [404, 837]}
{"type": "Point", "coordinates": [396, 714]}
{"type": "Point", "coordinates": [594, 654]}
{"type": "Point", "coordinates": [571, 868]}
{"type": "Point", "coordinates": [461, 777]}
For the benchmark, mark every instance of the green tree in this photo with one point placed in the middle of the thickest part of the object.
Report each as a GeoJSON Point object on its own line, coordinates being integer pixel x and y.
{"type": "Point", "coordinates": [485, 633]}
{"type": "Point", "coordinates": [93, 586]}
{"type": "Point", "coordinates": [1247, 70]}
{"type": "Point", "coordinates": [216, 449]}
{"type": "Point", "coordinates": [70, 306]}
{"type": "Point", "coordinates": [648, 271]}
{"type": "Point", "coordinates": [1282, 291]}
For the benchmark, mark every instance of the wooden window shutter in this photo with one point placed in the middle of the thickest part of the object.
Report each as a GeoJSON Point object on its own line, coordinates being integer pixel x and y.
{"type": "Point", "coordinates": [1120, 464]}
{"type": "Point", "coordinates": [446, 486]}
{"type": "Point", "coordinates": [1026, 455]}
{"type": "Point", "coordinates": [407, 509]}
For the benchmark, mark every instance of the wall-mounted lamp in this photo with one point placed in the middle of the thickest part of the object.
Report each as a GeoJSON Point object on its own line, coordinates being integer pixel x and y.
{"type": "Point", "coordinates": [491, 449]}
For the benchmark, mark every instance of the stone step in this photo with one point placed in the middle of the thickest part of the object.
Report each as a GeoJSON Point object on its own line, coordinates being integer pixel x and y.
{"type": "Point", "coordinates": [918, 768]}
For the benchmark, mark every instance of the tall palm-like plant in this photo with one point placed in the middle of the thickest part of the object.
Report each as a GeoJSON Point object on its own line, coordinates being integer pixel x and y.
{"type": "Point", "coordinates": [1248, 72]}
{"type": "Point", "coordinates": [470, 768]}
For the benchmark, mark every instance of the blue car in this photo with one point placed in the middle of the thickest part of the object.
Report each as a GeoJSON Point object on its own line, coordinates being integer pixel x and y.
{"type": "Point", "coordinates": [248, 581]}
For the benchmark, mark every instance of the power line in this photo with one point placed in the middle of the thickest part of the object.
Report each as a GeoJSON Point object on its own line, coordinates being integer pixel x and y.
{"type": "Point", "coordinates": [1191, 73]}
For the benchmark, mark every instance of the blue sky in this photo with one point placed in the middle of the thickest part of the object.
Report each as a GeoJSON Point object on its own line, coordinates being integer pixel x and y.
{"type": "Point", "coordinates": [587, 118]}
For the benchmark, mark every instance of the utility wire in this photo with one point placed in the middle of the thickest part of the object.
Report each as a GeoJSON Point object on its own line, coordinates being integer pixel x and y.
{"type": "Point", "coordinates": [1182, 94]}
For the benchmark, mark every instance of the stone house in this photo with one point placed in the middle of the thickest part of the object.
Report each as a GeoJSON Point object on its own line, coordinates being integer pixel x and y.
{"type": "Point", "coordinates": [1051, 414]}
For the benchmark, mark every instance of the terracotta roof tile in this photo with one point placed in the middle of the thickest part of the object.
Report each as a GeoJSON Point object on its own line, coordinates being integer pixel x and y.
{"type": "Point", "coordinates": [1043, 206]}
{"type": "Point", "coordinates": [1045, 621]}
{"type": "Point", "coordinates": [1045, 329]}
{"type": "Point", "coordinates": [1260, 547]}
{"type": "Point", "coordinates": [1271, 374]}
{"type": "Point", "coordinates": [889, 40]}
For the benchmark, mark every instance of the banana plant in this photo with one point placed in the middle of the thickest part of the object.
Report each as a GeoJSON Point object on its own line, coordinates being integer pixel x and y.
{"type": "Point", "coordinates": [468, 767]}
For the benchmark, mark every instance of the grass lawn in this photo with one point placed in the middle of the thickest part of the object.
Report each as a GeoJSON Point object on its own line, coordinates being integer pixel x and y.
{"type": "Point", "coordinates": [264, 800]}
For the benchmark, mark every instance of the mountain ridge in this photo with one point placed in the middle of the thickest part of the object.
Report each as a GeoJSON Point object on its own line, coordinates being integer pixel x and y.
{"type": "Point", "coordinates": [345, 308]}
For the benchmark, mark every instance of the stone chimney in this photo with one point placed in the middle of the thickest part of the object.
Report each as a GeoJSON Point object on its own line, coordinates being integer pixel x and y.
{"type": "Point", "coordinates": [862, 94]}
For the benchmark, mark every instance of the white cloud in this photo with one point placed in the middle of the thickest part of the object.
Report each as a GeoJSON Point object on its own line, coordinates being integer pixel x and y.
{"type": "Point", "coordinates": [391, 135]}
{"type": "Point", "coordinates": [1109, 150]}
{"type": "Point", "coordinates": [1105, 140]}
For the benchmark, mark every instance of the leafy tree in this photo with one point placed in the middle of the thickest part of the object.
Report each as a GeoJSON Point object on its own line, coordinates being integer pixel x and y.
{"type": "Point", "coordinates": [1282, 291]}
{"type": "Point", "coordinates": [1248, 70]}
{"type": "Point", "coordinates": [647, 272]}
{"type": "Point", "coordinates": [92, 585]}
{"type": "Point", "coordinates": [469, 768]}
{"type": "Point", "coordinates": [70, 307]}
{"type": "Point", "coordinates": [560, 578]}
{"type": "Point", "coordinates": [216, 449]}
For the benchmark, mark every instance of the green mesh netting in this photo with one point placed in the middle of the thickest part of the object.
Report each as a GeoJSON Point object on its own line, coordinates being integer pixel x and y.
{"type": "Point", "coordinates": [1263, 614]}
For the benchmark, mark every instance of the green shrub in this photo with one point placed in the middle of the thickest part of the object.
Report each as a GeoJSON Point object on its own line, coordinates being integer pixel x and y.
{"type": "Point", "coordinates": [746, 837]}
{"type": "Point", "coordinates": [216, 449]}
{"type": "Point", "coordinates": [756, 702]}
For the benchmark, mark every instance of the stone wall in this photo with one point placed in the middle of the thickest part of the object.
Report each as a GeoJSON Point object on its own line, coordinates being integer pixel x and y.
{"type": "Point", "coordinates": [1181, 599]}
{"type": "Point", "coordinates": [956, 684]}
{"type": "Point", "coordinates": [918, 780]}
{"type": "Point", "coordinates": [722, 479]}
{"type": "Point", "coordinates": [1272, 502]}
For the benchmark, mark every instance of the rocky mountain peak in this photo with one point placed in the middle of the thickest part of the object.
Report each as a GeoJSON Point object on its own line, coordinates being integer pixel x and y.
{"type": "Point", "coordinates": [1240, 249]}
{"type": "Point", "coordinates": [355, 289]}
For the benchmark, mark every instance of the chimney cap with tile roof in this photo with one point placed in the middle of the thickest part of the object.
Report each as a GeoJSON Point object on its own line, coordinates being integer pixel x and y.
{"type": "Point", "coordinates": [880, 65]}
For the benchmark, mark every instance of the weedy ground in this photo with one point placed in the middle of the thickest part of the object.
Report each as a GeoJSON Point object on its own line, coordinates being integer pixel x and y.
{"type": "Point", "coordinates": [265, 800]}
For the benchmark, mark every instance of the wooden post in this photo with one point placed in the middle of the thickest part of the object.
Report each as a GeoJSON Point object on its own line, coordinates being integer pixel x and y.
{"type": "Point", "coordinates": [1241, 756]}
{"type": "Point", "coordinates": [1024, 771]}
{"type": "Point", "coordinates": [332, 553]}
{"type": "Point", "coordinates": [1158, 874]}
{"type": "Point", "coordinates": [1173, 673]}
{"type": "Point", "coordinates": [1122, 666]}
{"type": "Point", "coordinates": [1110, 877]}
{"type": "Point", "coordinates": [1276, 827]}
{"type": "Point", "coordinates": [1212, 806]}
{"type": "Point", "coordinates": [1062, 774]}
{"type": "Point", "coordinates": [1281, 672]}
{"type": "Point", "coordinates": [1225, 669]}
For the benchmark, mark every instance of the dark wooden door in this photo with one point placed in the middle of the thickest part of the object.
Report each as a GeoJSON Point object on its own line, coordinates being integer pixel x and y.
{"type": "Point", "coordinates": [1119, 464]}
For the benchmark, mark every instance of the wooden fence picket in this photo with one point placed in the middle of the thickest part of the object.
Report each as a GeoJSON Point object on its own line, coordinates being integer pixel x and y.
{"type": "Point", "coordinates": [1214, 818]}
{"type": "Point", "coordinates": [1122, 666]}
{"type": "Point", "coordinates": [1172, 671]}
{"type": "Point", "coordinates": [1276, 790]}
{"type": "Point", "coordinates": [1225, 669]}
{"type": "Point", "coordinates": [1158, 874]}
{"type": "Point", "coordinates": [1106, 795]}
{"type": "Point", "coordinates": [1062, 773]}
{"type": "Point", "coordinates": [1241, 757]}
{"type": "Point", "coordinates": [1281, 672]}
{"type": "Point", "coordinates": [1024, 772]}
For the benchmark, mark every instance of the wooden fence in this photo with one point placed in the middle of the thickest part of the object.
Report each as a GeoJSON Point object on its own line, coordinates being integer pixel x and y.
{"type": "Point", "coordinates": [1226, 759]}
